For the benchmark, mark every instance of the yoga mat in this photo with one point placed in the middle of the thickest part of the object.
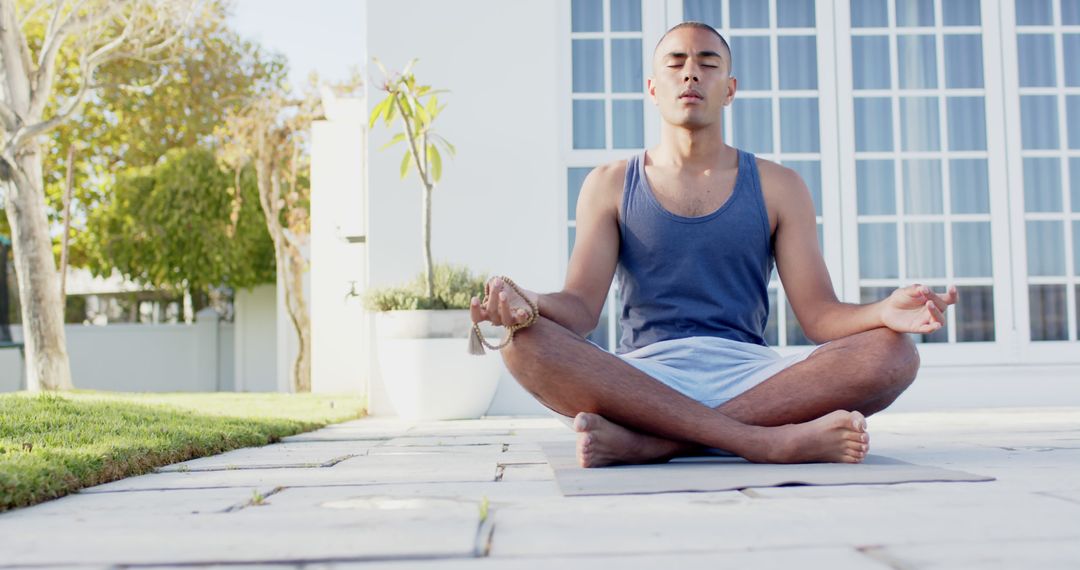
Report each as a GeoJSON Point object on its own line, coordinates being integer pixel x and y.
{"type": "Point", "coordinates": [712, 473]}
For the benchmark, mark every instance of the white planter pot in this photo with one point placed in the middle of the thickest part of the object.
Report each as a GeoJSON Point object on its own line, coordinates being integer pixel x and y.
{"type": "Point", "coordinates": [426, 367]}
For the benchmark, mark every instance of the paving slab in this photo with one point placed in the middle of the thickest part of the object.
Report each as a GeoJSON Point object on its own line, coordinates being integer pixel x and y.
{"type": "Point", "coordinates": [295, 454]}
{"type": "Point", "coordinates": [1051, 554]}
{"type": "Point", "coordinates": [283, 528]}
{"type": "Point", "coordinates": [409, 468]}
{"type": "Point", "coordinates": [832, 558]}
{"type": "Point", "coordinates": [413, 500]}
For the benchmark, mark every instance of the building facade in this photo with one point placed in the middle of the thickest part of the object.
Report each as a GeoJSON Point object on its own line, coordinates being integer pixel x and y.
{"type": "Point", "coordinates": [940, 140]}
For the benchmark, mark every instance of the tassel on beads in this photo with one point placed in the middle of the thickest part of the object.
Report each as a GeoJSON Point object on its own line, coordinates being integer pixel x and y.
{"type": "Point", "coordinates": [476, 345]}
{"type": "Point", "coordinates": [477, 342]}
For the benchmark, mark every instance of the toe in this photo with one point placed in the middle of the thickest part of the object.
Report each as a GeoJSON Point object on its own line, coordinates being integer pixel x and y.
{"type": "Point", "coordinates": [858, 421]}
{"type": "Point", "coordinates": [581, 422]}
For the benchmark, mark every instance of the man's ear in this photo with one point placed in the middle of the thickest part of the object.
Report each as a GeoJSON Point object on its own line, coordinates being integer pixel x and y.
{"type": "Point", "coordinates": [650, 86]}
{"type": "Point", "coordinates": [733, 84]}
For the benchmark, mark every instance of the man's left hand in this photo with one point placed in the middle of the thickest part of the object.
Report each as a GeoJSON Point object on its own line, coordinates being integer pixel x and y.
{"type": "Point", "coordinates": [916, 309]}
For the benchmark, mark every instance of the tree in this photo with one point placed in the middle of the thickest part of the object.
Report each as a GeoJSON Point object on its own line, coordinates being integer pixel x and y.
{"type": "Point", "coordinates": [404, 100]}
{"type": "Point", "coordinates": [94, 33]}
{"type": "Point", "coordinates": [269, 135]}
{"type": "Point", "coordinates": [180, 225]}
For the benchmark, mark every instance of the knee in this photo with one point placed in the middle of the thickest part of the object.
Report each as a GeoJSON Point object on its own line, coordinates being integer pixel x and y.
{"type": "Point", "coordinates": [898, 356]}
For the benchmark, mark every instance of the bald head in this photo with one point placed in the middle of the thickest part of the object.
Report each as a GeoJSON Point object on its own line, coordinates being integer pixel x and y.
{"type": "Point", "coordinates": [725, 54]}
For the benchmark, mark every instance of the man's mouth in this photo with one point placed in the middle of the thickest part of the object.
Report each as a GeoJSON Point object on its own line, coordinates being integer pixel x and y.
{"type": "Point", "coordinates": [693, 95]}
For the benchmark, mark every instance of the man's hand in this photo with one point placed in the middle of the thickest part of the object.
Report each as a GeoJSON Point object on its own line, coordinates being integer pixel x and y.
{"type": "Point", "coordinates": [916, 309]}
{"type": "Point", "coordinates": [504, 306]}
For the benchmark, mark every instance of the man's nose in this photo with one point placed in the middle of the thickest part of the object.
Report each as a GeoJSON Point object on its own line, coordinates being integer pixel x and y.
{"type": "Point", "coordinates": [689, 77]}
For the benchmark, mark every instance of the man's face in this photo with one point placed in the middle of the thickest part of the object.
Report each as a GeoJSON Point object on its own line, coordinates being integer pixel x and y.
{"type": "Point", "coordinates": [691, 82]}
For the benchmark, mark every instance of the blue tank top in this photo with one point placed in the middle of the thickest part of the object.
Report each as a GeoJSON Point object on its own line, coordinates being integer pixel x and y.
{"type": "Point", "coordinates": [682, 277]}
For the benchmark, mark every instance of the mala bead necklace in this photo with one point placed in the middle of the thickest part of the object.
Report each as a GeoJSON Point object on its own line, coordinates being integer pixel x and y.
{"type": "Point", "coordinates": [477, 342]}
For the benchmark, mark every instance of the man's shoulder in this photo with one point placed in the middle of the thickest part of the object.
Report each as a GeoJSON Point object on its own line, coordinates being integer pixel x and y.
{"type": "Point", "coordinates": [610, 174]}
{"type": "Point", "coordinates": [775, 175]}
{"type": "Point", "coordinates": [605, 183]}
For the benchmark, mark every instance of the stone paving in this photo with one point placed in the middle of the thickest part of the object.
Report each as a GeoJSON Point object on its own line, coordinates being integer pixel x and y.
{"type": "Point", "coordinates": [479, 494]}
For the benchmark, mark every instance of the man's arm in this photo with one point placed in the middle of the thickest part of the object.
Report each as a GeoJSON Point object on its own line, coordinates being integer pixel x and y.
{"type": "Point", "coordinates": [806, 281]}
{"type": "Point", "coordinates": [592, 263]}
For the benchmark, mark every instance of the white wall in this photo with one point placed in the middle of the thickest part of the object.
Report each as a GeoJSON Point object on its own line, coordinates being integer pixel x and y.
{"type": "Point", "coordinates": [339, 347]}
{"type": "Point", "coordinates": [498, 208]}
{"type": "Point", "coordinates": [139, 358]}
{"type": "Point", "coordinates": [255, 339]}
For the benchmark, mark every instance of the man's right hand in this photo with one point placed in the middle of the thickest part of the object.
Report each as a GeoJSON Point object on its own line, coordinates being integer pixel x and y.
{"type": "Point", "coordinates": [504, 306]}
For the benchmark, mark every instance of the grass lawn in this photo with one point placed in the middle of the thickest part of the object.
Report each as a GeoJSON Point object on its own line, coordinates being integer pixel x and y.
{"type": "Point", "coordinates": [52, 445]}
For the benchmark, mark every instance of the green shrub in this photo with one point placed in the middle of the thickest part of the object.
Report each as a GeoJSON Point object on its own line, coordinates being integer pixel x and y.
{"type": "Point", "coordinates": [454, 287]}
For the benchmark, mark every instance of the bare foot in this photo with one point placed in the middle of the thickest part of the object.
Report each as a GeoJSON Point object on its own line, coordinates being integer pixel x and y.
{"type": "Point", "coordinates": [601, 443]}
{"type": "Point", "coordinates": [839, 437]}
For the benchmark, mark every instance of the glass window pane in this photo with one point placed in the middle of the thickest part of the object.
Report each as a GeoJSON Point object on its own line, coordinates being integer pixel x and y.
{"type": "Point", "coordinates": [627, 127]}
{"type": "Point", "coordinates": [1070, 16]}
{"type": "Point", "coordinates": [914, 12]}
{"type": "Point", "coordinates": [575, 177]}
{"type": "Point", "coordinates": [1072, 112]}
{"type": "Point", "coordinates": [753, 62]}
{"type": "Point", "coordinates": [588, 124]}
{"type": "Point", "coordinates": [798, 62]}
{"type": "Point", "coordinates": [1035, 57]}
{"type": "Point", "coordinates": [975, 314]}
{"type": "Point", "coordinates": [873, 124]}
{"type": "Point", "coordinates": [869, 14]}
{"type": "Point", "coordinates": [919, 123]}
{"type": "Point", "coordinates": [587, 16]}
{"type": "Point", "coordinates": [971, 249]}
{"type": "Point", "coordinates": [963, 61]}
{"type": "Point", "coordinates": [749, 13]}
{"type": "Point", "coordinates": [1047, 308]}
{"type": "Point", "coordinates": [969, 186]}
{"type": "Point", "coordinates": [923, 193]}
{"type": "Point", "coordinates": [1045, 248]}
{"type": "Point", "coordinates": [1076, 248]}
{"type": "Point", "coordinates": [1042, 184]}
{"type": "Point", "coordinates": [752, 122]}
{"type": "Point", "coordinates": [599, 335]}
{"type": "Point", "coordinates": [925, 242]}
{"type": "Point", "coordinates": [917, 62]}
{"type": "Point", "coordinates": [1038, 122]}
{"type": "Point", "coordinates": [1074, 183]}
{"type": "Point", "coordinates": [1034, 13]}
{"type": "Point", "coordinates": [877, 251]}
{"type": "Point", "coordinates": [588, 76]}
{"type": "Point", "coordinates": [795, 13]}
{"type": "Point", "coordinates": [960, 13]}
{"type": "Point", "coordinates": [626, 67]}
{"type": "Point", "coordinates": [876, 184]}
{"type": "Point", "coordinates": [795, 334]}
{"type": "Point", "coordinates": [873, 294]}
{"type": "Point", "coordinates": [810, 172]}
{"type": "Point", "coordinates": [799, 125]}
{"type": "Point", "coordinates": [967, 123]}
{"type": "Point", "coordinates": [626, 15]}
{"type": "Point", "coordinates": [705, 11]}
{"type": "Point", "coordinates": [771, 336]}
{"type": "Point", "coordinates": [870, 62]}
{"type": "Point", "coordinates": [1070, 45]}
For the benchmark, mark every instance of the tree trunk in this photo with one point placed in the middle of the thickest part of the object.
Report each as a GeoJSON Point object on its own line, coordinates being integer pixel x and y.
{"type": "Point", "coordinates": [290, 270]}
{"type": "Point", "coordinates": [47, 365]}
{"type": "Point", "coordinates": [429, 275]}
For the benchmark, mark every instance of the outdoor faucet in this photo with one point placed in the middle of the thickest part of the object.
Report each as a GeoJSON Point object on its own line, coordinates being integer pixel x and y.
{"type": "Point", "coordinates": [352, 290]}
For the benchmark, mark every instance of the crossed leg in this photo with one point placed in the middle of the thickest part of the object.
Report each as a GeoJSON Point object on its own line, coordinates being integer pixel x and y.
{"type": "Point", "coordinates": [799, 415]}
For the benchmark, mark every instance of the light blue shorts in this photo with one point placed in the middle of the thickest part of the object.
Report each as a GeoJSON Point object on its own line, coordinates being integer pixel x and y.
{"type": "Point", "coordinates": [711, 370]}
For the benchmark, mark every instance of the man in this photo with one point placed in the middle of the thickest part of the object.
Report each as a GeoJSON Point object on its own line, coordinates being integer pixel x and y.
{"type": "Point", "coordinates": [693, 226]}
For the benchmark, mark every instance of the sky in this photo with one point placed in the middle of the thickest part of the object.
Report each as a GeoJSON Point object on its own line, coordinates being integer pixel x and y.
{"type": "Point", "coordinates": [315, 35]}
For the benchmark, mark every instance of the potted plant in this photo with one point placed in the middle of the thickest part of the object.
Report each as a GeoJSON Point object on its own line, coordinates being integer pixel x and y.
{"type": "Point", "coordinates": [421, 327]}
